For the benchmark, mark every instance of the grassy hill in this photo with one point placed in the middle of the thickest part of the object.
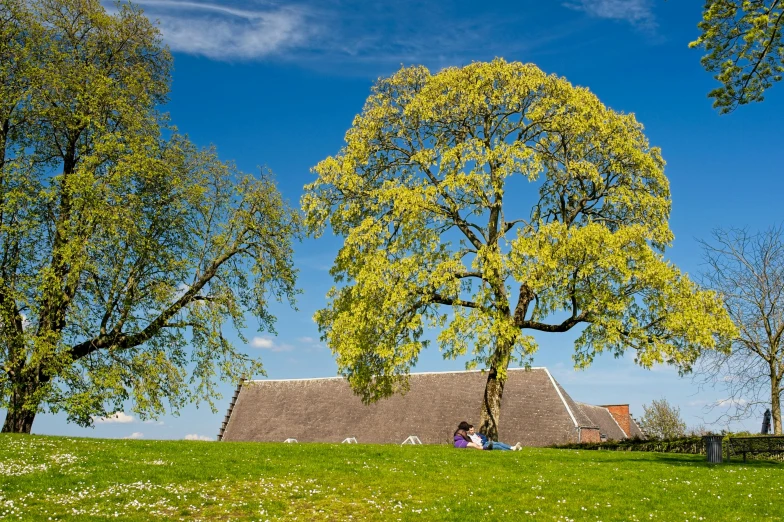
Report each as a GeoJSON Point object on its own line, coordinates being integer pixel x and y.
{"type": "Point", "coordinates": [53, 478]}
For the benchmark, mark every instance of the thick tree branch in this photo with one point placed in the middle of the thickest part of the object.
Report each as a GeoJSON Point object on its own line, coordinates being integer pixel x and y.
{"type": "Point", "coordinates": [118, 340]}
{"type": "Point", "coordinates": [565, 326]}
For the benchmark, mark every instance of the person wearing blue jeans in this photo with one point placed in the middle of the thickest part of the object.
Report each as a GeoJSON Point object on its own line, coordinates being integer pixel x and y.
{"type": "Point", "coordinates": [482, 440]}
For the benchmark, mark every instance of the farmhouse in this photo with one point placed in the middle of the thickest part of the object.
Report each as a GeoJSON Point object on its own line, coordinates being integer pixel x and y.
{"type": "Point", "coordinates": [535, 410]}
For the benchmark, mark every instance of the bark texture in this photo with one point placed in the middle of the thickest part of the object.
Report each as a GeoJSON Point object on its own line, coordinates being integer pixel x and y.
{"type": "Point", "coordinates": [21, 413]}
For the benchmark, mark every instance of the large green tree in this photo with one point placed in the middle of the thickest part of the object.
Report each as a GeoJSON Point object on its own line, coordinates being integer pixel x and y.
{"type": "Point", "coordinates": [123, 248]}
{"type": "Point", "coordinates": [745, 48]}
{"type": "Point", "coordinates": [430, 193]}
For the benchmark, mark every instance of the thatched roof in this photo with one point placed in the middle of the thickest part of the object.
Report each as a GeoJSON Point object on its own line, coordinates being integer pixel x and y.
{"type": "Point", "coordinates": [535, 410]}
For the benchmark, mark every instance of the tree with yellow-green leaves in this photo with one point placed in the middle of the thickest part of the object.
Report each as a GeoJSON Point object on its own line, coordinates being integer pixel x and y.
{"type": "Point", "coordinates": [124, 249]}
{"type": "Point", "coordinates": [429, 194]}
{"type": "Point", "coordinates": [745, 45]}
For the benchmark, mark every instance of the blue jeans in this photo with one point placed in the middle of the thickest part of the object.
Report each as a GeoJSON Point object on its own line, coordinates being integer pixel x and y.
{"type": "Point", "coordinates": [499, 446]}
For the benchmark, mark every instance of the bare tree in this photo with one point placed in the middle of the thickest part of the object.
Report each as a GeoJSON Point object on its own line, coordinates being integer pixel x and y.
{"type": "Point", "coordinates": [748, 270]}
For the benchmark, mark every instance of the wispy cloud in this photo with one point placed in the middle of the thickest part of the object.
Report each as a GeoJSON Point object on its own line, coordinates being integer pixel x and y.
{"type": "Point", "coordinates": [639, 13]}
{"type": "Point", "coordinates": [118, 418]}
{"type": "Point", "coordinates": [223, 32]}
{"type": "Point", "coordinates": [311, 343]}
{"type": "Point", "coordinates": [729, 403]}
{"type": "Point", "coordinates": [135, 435]}
{"type": "Point", "coordinates": [265, 343]}
{"type": "Point", "coordinates": [196, 436]}
{"type": "Point", "coordinates": [352, 35]}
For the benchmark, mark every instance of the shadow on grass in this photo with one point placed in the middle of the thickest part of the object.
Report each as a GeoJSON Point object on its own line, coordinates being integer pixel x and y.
{"type": "Point", "coordinates": [682, 459]}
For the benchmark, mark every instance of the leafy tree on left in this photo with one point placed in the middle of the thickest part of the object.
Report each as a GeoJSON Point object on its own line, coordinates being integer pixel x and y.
{"type": "Point", "coordinates": [118, 237]}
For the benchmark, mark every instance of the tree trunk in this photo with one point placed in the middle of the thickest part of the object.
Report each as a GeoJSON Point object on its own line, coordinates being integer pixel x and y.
{"type": "Point", "coordinates": [775, 405]}
{"type": "Point", "coordinates": [21, 411]}
{"type": "Point", "coordinates": [491, 405]}
{"type": "Point", "coordinates": [19, 421]}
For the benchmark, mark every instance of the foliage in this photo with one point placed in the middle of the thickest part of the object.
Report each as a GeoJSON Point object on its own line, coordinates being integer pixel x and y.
{"type": "Point", "coordinates": [693, 445]}
{"type": "Point", "coordinates": [747, 269]}
{"type": "Point", "coordinates": [661, 420]}
{"type": "Point", "coordinates": [756, 445]}
{"type": "Point", "coordinates": [123, 248]}
{"type": "Point", "coordinates": [175, 480]}
{"type": "Point", "coordinates": [745, 49]}
{"type": "Point", "coordinates": [689, 444]}
{"type": "Point", "coordinates": [429, 194]}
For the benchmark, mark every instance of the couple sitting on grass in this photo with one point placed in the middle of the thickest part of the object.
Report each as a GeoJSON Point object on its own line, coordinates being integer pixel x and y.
{"type": "Point", "coordinates": [466, 437]}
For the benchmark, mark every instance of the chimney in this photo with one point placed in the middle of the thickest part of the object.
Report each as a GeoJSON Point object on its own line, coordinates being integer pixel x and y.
{"type": "Point", "coordinates": [620, 413]}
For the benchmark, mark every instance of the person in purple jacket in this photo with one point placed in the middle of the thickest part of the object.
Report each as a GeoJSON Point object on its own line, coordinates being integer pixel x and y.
{"type": "Point", "coordinates": [465, 437]}
{"type": "Point", "coordinates": [462, 439]}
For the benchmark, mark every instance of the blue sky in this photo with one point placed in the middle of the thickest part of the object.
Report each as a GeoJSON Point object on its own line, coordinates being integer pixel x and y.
{"type": "Point", "coordinates": [278, 84]}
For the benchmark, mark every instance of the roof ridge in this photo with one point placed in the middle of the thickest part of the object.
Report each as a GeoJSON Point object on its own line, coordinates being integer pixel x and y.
{"type": "Point", "coordinates": [414, 373]}
{"type": "Point", "coordinates": [558, 391]}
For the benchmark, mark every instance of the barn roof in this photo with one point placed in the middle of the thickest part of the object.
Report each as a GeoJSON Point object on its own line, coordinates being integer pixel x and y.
{"type": "Point", "coordinates": [535, 410]}
{"type": "Point", "coordinates": [608, 426]}
{"type": "Point", "coordinates": [635, 428]}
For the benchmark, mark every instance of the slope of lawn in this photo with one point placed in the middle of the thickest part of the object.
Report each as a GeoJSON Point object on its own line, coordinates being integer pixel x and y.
{"type": "Point", "coordinates": [54, 478]}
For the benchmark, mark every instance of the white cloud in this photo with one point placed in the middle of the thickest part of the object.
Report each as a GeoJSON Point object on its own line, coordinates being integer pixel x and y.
{"type": "Point", "coordinates": [345, 34]}
{"type": "Point", "coordinates": [639, 13]}
{"type": "Point", "coordinates": [265, 343]}
{"type": "Point", "coordinates": [195, 436]}
{"type": "Point", "coordinates": [311, 343]}
{"type": "Point", "coordinates": [118, 418]}
{"type": "Point", "coordinates": [225, 33]}
{"type": "Point", "coordinates": [135, 435]}
{"type": "Point", "coordinates": [728, 403]}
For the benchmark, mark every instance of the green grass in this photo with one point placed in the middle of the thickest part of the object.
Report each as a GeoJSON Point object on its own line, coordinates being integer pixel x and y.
{"type": "Point", "coordinates": [89, 479]}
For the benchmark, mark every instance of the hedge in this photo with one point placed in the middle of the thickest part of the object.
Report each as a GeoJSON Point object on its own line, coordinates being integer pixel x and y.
{"type": "Point", "coordinates": [693, 445]}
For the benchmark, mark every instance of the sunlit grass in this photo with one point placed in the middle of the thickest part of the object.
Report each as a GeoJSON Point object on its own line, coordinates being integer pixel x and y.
{"type": "Point", "coordinates": [89, 479]}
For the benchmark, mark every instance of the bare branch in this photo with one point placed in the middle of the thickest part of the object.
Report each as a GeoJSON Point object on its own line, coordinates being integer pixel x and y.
{"type": "Point", "coordinates": [747, 270]}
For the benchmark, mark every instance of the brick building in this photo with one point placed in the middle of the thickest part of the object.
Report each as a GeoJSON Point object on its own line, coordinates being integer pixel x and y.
{"type": "Point", "coordinates": [535, 410]}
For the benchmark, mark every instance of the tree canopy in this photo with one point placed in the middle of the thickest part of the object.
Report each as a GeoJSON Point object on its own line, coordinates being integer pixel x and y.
{"type": "Point", "coordinates": [745, 49]}
{"type": "Point", "coordinates": [488, 202]}
{"type": "Point", "coordinates": [123, 248]}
